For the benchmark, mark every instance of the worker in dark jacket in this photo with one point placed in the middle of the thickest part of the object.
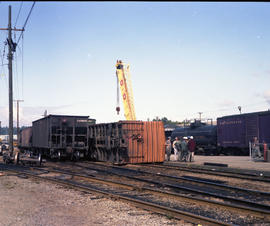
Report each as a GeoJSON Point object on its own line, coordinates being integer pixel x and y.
{"type": "Point", "coordinates": [191, 148]}
{"type": "Point", "coordinates": [184, 150]}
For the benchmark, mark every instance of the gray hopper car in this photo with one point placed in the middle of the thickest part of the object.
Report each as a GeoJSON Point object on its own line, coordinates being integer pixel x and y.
{"type": "Point", "coordinates": [58, 136]}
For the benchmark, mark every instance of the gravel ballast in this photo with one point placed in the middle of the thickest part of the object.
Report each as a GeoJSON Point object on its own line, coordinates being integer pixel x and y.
{"type": "Point", "coordinates": [32, 202]}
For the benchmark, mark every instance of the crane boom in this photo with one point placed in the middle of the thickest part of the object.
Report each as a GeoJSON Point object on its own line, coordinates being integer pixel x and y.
{"type": "Point", "coordinates": [124, 80]}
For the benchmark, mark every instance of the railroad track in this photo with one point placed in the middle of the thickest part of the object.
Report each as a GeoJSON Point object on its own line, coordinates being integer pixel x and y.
{"type": "Point", "coordinates": [136, 201]}
{"type": "Point", "coordinates": [216, 172]}
{"type": "Point", "coordinates": [246, 199]}
{"type": "Point", "coordinates": [140, 200]}
{"type": "Point", "coordinates": [214, 183]}
{"type": "Point", "coordinates": [241, 206]}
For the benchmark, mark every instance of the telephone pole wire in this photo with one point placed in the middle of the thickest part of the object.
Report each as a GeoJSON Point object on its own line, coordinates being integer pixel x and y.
{"type": "Point", "coordinates": [18, 120]}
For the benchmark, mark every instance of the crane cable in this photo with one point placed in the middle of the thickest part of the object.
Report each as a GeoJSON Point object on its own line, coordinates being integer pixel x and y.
{"type": "Point", "coordinates": [117, 93]}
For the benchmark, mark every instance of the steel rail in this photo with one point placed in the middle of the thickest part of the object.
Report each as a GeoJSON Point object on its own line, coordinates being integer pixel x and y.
{"type": "Point", "coordinates": [238, 208]}
{"type": "Point", "coordinates": [244, 176]}
{"type": "Point", "coordinates": [230, 199]}
{"type": "Point", "coordinates": [200, 181]}
{"type": "Point", "coordinates": [181, 215]}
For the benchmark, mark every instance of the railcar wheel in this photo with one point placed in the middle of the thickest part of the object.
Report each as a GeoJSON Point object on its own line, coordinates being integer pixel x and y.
{"type": "Point", "coordinates": [59, 156]}
{"type": "Point", "coordinates": [17, 158]}
{"type": "Point", "coordinates": [77, 155]}
{"type": "Point", "coordinates": [71, 157]}
{"type": "Point", "coordinates": [5, 159]}
{"type": "Point", "coordinates": [94, 155]}
{"type": "Point", "coordinates": [117, 156]}
{"type": "Point", "coordinates": [39, 159]}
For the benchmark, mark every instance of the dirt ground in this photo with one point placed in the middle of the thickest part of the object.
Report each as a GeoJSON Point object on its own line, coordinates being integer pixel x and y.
{"type": "Point", "coordinates": [32, 202]}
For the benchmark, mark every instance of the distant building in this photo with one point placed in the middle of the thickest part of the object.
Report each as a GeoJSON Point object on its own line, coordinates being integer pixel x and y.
{"type": "Point", "coordinates": [5, 137]}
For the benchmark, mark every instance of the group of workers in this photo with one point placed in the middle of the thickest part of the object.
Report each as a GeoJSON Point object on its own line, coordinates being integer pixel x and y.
{"type": "Point", "coordinates": [184, 148]}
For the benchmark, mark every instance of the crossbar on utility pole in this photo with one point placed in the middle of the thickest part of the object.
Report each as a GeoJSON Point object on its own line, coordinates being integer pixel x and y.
{"type": "Point", "coordinates": [18, 120]}
{"type": "Point", "coordinates": [14, 29]}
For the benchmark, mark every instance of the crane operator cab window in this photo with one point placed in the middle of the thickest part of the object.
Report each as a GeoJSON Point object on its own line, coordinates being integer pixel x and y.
{"type": "Point", "coordinates": [120, 65]}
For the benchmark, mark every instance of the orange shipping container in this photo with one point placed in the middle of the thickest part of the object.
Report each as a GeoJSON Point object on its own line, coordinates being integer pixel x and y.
{"type": "Point", "coordinates": [128, 142]}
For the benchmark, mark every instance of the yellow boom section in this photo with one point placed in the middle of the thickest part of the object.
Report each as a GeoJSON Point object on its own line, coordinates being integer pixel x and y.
{"type": "Point", "coordinates": [123, 75]}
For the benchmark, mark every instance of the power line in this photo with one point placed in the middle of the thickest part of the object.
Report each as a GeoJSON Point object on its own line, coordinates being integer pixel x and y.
{"type": "Point", "coordinates": [18, 13]}
{"type": "Point", "coordinates": [2, 56]}
{"type": "Point", "coordinates": [16, 71]}
{"type": "Point", "coordinates": [16, 75]}
{"type": "Point", "coordinates": [2, 72]}
{"type": "Point", "coordinates": [22, 65]}
{"type": "Point", "coordinates": [3, 68]}
{"type": "Point", "coordinates": [26, 21]}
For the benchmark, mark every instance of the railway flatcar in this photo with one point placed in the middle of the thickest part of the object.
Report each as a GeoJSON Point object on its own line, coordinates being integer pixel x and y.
{"type": "Point", "coordinates": [203, 134]}
{"type": "Point", "coordinates": [127, 142]}
{"type": "Point", "coordinates": [57, 136]}
{"type": "Point", "coordinates": [234, 132]}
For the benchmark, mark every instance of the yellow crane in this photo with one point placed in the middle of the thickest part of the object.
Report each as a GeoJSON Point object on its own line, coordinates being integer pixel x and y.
{"type": "Point", "coordinates": [124, 80]}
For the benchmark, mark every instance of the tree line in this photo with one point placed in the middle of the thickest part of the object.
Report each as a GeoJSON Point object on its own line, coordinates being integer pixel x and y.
{"type": "Point", "coordinates": [165, 120]}
{"type": "Point", "coordinates": [168, 122]}
{"type": "Point", "coordinates": [4, 130]}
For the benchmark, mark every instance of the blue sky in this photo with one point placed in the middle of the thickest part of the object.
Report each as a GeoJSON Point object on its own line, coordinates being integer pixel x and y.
{"type": "Point", "coordinates": [185, 58]}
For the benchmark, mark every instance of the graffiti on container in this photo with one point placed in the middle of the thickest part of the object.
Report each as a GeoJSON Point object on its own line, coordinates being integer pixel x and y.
{"type": "Point", "coordinates": [231, 142]}
{"type": "Point", "coordinates": [82, 120]}
{"type": "Point", "coordinates": [137, 137]}
{"type": "Point", "coordinates": [230, 122]}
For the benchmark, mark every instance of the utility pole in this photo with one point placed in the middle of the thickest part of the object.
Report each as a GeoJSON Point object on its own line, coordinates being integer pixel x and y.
{"type": "Point", "coordinates": [200, 113]}
{"type": "Point", "coordinates": [11, 49]}
{"type": "Point", "coordinates": [239, 108]}
{"type": "Point", "coordinates": [18, 110]}
{"type": "Point", "coordinates": [10, 58]}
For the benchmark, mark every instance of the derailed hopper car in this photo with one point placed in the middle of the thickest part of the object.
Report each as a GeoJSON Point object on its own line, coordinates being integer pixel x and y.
{"type": "Point", "coordinates": [127, 142]}
{"type": "Point", "coordinates": [58, 136]}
